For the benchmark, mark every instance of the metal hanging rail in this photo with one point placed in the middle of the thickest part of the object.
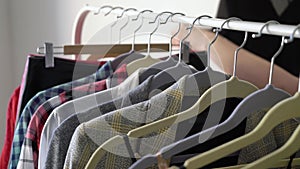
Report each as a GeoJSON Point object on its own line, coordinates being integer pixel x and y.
{"type": "Point", "coordinates": [249, 26]}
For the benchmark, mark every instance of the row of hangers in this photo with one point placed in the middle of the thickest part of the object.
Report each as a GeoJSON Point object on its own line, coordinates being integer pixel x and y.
{"type": "Point", "coordinates": [284, 107]}
{"type": "Point", "coordinates": [113, 50]}
{"type": "Point", "coordinates": [255, 99]}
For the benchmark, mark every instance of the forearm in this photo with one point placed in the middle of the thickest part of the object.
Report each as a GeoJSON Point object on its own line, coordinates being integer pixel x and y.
{"type": "Point", "coordinates": [250, 67]}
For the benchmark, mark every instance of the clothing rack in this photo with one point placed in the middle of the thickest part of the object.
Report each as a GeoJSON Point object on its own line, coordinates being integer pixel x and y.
{"type": "Point", "coordinates": [186, 102]}
{"type": "Point", "coordinates": [248, 26]}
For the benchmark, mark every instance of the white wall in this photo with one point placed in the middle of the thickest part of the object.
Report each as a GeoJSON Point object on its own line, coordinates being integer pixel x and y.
{"type": "Point", "coordinates": [6, 71]}
{"type": "Point", "coordinates": [28, 24]}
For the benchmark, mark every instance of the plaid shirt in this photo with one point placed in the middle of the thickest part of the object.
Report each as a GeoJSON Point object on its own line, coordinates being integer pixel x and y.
{"type": "Point", "coordinates": [90, 135]}
{"type": "Point", "coordinates": [119, 155]}
{"type": "Point", "coordinates": [152, 143]}
{"type": "Point", "coordinates": [104, 72]}
{"type": "Point", "coordinates": [271, 142]}
{"type": "Point", "coordinates": [30, 147]}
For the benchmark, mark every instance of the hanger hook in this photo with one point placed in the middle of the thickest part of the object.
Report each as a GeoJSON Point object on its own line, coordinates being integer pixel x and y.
{"type": "Point", "coordinates": [122, 27]}
{"type": "Point", "coordinates": [239, 48]}
{"type": "Point", "coordinates": [158, 23]}
{"type": "Point", "coordinates": [188, 34]}
{"type": "Point", "coordinates": [138, 15]}
{"type": "Point", "coordinates": [171, 17]}
{"type": "Point", "coordinates": [273, 59]}
{"type": "Point", "coordinates": [126, 10]}
{"type": "Point", "coordinates": [140, 26]}
{"type": "Point", "coordinates": [291, 39]}
{"type": "Point", "coordinates": [227, 21]}
{"type": "Point", "coordinates": [192, 26]}
{"type": "Point", "coordinates": [237, 51]}
{"type": "Point", "coordinates": [158, 15]}
{"type": "Point", "coordinates": [277, 52]}
{"type": "Point", "coordinates": [102, 7]}
{"type": "Point", "coordinates": [190, 31]}
{"type": "Point", "coordinates": [179, 26]}
{"type": "Point", "coordinates": [155, 29]}
{"type": "Point", "coordinates": [114, 8]}
{"type": "Point", "coordinates": [115, 22]}
{"type": "Point", "coordinates": [142, 12]}
{"type": "Point", "coordinates": [217, 30]}
{"type": "Point", "coordinates": [257, 35]}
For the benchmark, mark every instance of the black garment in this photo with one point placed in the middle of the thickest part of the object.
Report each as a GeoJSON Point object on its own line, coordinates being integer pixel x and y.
{"type": "Point", "coordinates": [40, 78]}
{"type": "Point", "coordinates": [198, 124]}
{"type": "Point", "coordinates": [267, 45]}
{"type": "Point", "coordinates": [198, 60]}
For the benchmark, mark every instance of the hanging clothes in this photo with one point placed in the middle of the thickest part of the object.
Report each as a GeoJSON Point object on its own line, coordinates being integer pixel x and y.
{"type": "Point", "coordinates": [11, 119]}
{"type": "Point", "coordinates": [106, 102]}
{"type": "Point", "coordinates": [30, 148]}
{"type": "Point", "coordinates": [43, 96]}
{"type": "Point", "coordinates": [39, 78]}
{"type": "Point", "coordinates": [139, 94]}
{"type": "Point", "coordinates": [154, 113]}
{"type": "Point", "coordinates": [120, 122]}
{"type": "Point", "coordinates": [62, 136]}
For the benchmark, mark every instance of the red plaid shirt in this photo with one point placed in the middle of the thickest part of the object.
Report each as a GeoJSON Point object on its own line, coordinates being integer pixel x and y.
{"type": "Point", "coordinates": [30, 147]}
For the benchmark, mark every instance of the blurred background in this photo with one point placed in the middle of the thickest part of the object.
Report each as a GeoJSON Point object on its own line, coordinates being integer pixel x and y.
{"type": "Point", "coordinates": [26, 25]}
